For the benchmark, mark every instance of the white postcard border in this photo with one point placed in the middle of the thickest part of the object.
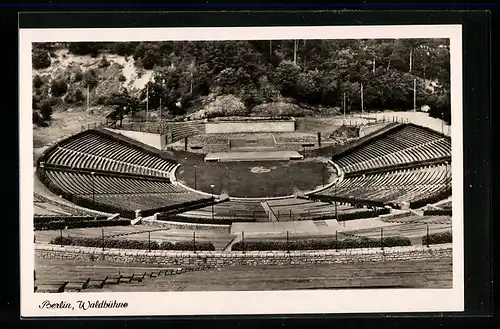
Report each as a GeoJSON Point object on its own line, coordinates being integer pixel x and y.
{"type": "Point", "coordinates": [251, 302]}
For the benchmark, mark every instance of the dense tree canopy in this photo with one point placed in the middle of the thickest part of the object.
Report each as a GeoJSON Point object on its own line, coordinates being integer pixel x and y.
{"type": "Point", "coordinates": [310, 72]}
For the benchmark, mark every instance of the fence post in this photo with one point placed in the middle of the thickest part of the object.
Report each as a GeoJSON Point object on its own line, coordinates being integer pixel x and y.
{"type": "Point", "coordinates": [382, 238]}
{"type": "Point", "coordinates": [290, 214]}
{"type": "Point", "coordinates": [287, 246]}
{"type": "Point", "coordinates": [149, 240]}
{"type": "Point", "coordinates": [336, 241]}
{"type": "Point", "coordinates": [61, 239]}
{"type": "Point", "coordinates": [102, 232]}
{"type": "Point", "coordinates": [194, 241]}
{"type": "Point", "coordinates": [427, 237]}
{"type": "Point", "coordinates": [243, 240]}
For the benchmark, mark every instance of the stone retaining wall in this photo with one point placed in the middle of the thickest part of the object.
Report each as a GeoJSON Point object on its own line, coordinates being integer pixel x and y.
{"type": "Point", "coordinates": [187, 226]}
{"type": "Point", "coordinates": [239, 258]}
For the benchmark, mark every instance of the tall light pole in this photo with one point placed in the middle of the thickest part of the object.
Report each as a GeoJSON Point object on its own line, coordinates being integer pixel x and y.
{"type": "Point", "coordinates": [212, 187]}
{"type": "Point", "coordinates": [93, 186]}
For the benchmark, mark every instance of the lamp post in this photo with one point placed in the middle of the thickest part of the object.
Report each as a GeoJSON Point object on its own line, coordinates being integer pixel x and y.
{"type": "Point", "coordinates": [93, 186]}
{"type": "Point", "coordinates": [195, 177]}
{"type": "Point", "coordinates": [212, 187]}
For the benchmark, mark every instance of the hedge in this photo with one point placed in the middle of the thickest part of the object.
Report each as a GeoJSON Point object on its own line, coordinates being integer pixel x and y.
{"type": "Point", "coordinates": [324, 244]}
{"type": "Point", "coordinates": [363, 214]}
{"type": "Point", "coordinates": [431, 199]}
{"type": "Point", "coordinates": [58, 224]}
{"type": "Point", "coordinates": [438, 212]}
{"type": "Point", "coordinates": [45, 219]}
{"type": "Point", "coordinates": [437, 238]}
{"type": "Point", "coordinates": [99, 242]}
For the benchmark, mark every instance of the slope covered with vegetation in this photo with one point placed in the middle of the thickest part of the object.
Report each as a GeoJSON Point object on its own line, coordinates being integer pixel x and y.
{"type": "Point", "coordinates": [278, 77]}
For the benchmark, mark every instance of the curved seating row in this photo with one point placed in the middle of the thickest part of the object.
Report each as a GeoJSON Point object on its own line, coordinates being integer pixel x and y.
{"type": "Point", "coordinates": [394, 187]}
{"type": "Point", "coordinates": [93, 150]}
{"type": "Point", "coordinates": [406, 145]}
{"type": "Point", "coordinates": [125, 193]}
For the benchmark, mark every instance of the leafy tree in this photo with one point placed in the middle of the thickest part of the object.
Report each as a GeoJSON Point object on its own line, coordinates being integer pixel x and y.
{"type": "Point", "coordinates": [46, 110]}
{"type": "Point", "coordinates": [58, 87]}
{"type": "Point", "coordinates": [286, 78]}
{"type": "Point", "coordinates": [90, 78]}
{"type": "Point", "coordinates": [37, 81]}
{"type": "Point", "coordinates": [40, 59]}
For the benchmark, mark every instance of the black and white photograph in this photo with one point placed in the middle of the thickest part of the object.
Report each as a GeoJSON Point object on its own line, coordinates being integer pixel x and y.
{"type": "Point", "coordinates": [241, 170]}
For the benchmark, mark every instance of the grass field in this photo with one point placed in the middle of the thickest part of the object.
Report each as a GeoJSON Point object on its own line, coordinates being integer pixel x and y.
{"type": "Point", "coordinates": [252, 179]}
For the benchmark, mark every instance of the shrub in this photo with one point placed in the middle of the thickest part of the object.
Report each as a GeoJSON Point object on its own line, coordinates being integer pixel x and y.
{"type": "Point", "coordinates": [278, 109]}
{"type": "Point", "coordinates": [57, 224]}
{"type": "Point", "coordinates": [122, 78]}
{"type": "Point", "coordinates": [78, 76]}
{"type": "Point", "coordinates": [58, 87]}
{"type": "Point", "coordinates": [91, 79]}
{"type": "Point", "coordinates": [45, 110]}
{"type": "Point", "coordinates": [437, 238]}
{"type": "Point", "coordinates": [40, 59]}
{"type": "Point", "coordinates": [321, 244]}
{"type": "Point", "coordinates": [226, 105]}
{"type": "Point", "coordinates": [438, 212]}
{"type": "Point", "coordinates": [97, 242]}
{"type": "Point", "coordinates": [37, 81]}
{"type": "Point", "coordinates": [103, 62]}
{"type": "Point", "coordinates": [74, 96]}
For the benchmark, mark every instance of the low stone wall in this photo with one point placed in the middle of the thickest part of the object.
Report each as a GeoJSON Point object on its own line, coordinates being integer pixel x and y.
{"type": "Point", "coordinates": [239, 258]}
{"type": "Point", "coordinates": [396, 215]}
{"type": "Point", "coordinates": [187, 226]}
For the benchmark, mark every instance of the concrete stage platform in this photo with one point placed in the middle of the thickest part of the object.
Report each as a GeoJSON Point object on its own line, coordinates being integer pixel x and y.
{"type": "Point", "coordinates": [254, 156]}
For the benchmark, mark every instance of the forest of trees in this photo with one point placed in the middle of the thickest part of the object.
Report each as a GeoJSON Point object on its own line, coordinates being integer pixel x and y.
{"type": "Point", "coordinates": [305, 72]}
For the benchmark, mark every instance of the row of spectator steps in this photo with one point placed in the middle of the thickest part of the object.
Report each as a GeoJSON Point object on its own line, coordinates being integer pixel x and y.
{"type": "Point", "coordinates": [233, 209]}
{"type": "Point", "coordinates": [74, 159]}
{"type": "Point", "coordinates": [53, 276]}
{"type": "Point", "coordinates": [94, 150]}
{"type": "Point", "coordinates": [301, 209]}
{"type": "Point", "coordinates": [406, 145]}
{"type": "Point", "coordinates": [126, 193]}
{"type": "Point", "coordinates": [397, 186]}
{"type": "Point", "coordinates": [180, 130]}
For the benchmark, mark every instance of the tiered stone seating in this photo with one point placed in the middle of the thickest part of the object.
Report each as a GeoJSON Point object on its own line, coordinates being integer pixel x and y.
{"type": "Point", "coordinates": [180, 130]}
{"type": "Point", "coordinates": [96, 151]}
{"type": "Point", "coordinates": [406, 145]}
{"type": "Point", "coordinates": [394, 187]}
{"type": "Point", "coordinates": [126, 193]}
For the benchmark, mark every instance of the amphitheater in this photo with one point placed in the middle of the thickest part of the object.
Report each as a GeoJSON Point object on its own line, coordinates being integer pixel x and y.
{"type": "Point", "coordinates": [117, 209]}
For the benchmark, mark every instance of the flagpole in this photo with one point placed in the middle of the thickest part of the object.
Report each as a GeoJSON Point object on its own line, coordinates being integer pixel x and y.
{"type": "Point", "coordinates": [160, 108]}
{"type": "Point", "coordinates": [147, 103]}
{"type": "Point", "coordinates": [88, 97]}
{"type": "Point", "coordinates": [414, 95]}
{"type": "Point", "coordinates": [344, 105]}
